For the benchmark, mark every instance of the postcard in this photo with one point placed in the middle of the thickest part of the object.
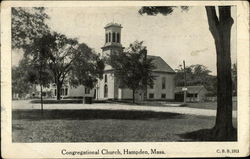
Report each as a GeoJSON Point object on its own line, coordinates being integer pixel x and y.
{"type": "Point", "coordinates": [124, 79]}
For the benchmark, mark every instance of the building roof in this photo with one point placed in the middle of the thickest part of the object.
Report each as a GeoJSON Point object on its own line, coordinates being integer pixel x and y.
{"type": "Point", "coordinates": [190, 89]}
{"type": "Point", "coordinates": [113, 24]}
{"type": "Point", "coordinates": [108, 67]}
{"type": "Point", "coordinates": [160, 64]}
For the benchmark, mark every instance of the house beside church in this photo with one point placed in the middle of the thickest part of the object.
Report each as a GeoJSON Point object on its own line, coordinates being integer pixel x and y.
{"type": "Point", "coordinates": [194, 93]}
{"type": "Point", "coordinates": [107, 88]}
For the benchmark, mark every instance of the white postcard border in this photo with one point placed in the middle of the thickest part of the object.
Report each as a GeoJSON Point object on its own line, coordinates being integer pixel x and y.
{"type": "Point", "coordinates": [173, 149]}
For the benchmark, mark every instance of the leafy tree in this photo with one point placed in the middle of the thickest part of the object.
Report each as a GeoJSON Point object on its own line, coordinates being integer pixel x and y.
{"type": "Point", "coordinates": [60, 58]}
{"type": "Point", "coordinates": [132, 68]}
{"type": "Point", "coordinates": [36, 56]}
{"type": "Point", "coordinates": [30, 33]}
{"type": "Point", "coordinates": [20, 83]}
{"type": "Point", "coordinates": [71, 62]}
{"type": "Point", "coordinates": [86, 68]}
{"type": "Point", "coordinates": [220, 28]}
{"type": "Point", "coordinates": [56, 57]}
{"type": "Point", "coordinates": [27, 24]}
{"type": "Point", "coordinates": [26, 74]}
{"type": "Point", "coordinates": [51, 56]}
{"type": "Point", "coordinates": [28, 29]}
{"type": "Point", "coordinates": [196, 75]}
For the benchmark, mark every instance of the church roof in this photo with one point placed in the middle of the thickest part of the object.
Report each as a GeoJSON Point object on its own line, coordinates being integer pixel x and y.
{"type": "Point", "coordinates": [160, 64]}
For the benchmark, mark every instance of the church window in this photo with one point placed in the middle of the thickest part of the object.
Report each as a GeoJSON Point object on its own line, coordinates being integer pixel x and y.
{"type": "Point", "coordinates": [106, 37]}
{"type": "Point", "coordinates": [62, 91]}
{"type": "Point", "coordinates": [66, 91]}
{"type": "Point", "coordinates": [152, 86]}
{"type": "Point", "coordinates": [151, 95]}
{"type": "Point", "coordinates": [163, 95]}
{"type": "Point", "coordinates": [109, 37]}
{"type": "Point", "coordinates": [105, 91]}
{"type": "Point", "coordinates": [113, 37]}
{"type": "Point", "coordinates": [95, 93]}
{"type": "Point", "coordinates": [118, 37]}
{"type": "Point", "coordinates": [105, 78]}
{"type": "Point", "coordinates": [163, 83]}
{"type": "Point", "coordinates": [43, 93]}
{"type": "Point", "coordinates": [55, 92]}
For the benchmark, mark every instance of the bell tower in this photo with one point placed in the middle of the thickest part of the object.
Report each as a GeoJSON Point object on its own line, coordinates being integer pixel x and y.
{"type": "Point", "coordinates": [112, 39]}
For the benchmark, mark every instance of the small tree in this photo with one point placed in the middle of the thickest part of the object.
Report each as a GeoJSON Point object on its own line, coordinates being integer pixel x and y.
{"type": "Point", "coordinates": [132, 68]}
{"type": "Point", "coordinates": [36, 56]}
{"type": "Point", "coordinates": [196, 75]}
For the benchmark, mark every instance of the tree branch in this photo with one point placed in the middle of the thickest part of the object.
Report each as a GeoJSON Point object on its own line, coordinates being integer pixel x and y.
{"type": "Point", "coordinates": [225, 15]}
{"type": "Point", "coordinates": [213, 20]}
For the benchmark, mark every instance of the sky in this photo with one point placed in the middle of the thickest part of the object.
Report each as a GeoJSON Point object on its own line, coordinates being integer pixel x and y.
{"type": "Point", "coordinates": [176, 37]}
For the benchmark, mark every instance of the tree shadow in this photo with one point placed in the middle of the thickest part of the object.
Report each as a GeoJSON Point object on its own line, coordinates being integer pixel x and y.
{"type": "Point", "coordinates": [207, 135]}
{"type": "Point", "coordinates": [17, 127]}
{"type": "Point", "coordinates": [90, 114]}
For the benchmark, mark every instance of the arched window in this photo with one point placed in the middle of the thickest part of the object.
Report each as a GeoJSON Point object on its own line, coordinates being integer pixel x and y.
{"type": "Point", "coordinates": [105, 91]}
{"type": "Point", "coordinates": [105, 78]}
{"type": "Point", "coordinates": [109, 37]}
{"type": "Point", "coordinates": [66, 91]}
{"type": "Point", "coordinates": [113, 37]}
{"type": "Point", "coordinates": [118, 37]}
{"type": "Point", "coordinates": [106, 37]}
{"type": "Point", "coordinates": [163, 84]}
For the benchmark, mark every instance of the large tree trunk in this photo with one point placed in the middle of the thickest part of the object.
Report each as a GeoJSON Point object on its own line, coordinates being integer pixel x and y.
{"type": "Point", "coordinates": [221, 31]}
{"type": "Point", "coordinates": [58, 92]}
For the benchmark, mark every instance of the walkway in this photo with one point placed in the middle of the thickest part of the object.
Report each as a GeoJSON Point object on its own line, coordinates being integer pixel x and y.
{"type": "Point", "coordinates": [24, 104]}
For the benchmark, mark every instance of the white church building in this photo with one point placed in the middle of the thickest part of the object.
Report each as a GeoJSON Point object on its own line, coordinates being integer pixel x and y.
{"type": "Point", "coordinates": [108, 87]}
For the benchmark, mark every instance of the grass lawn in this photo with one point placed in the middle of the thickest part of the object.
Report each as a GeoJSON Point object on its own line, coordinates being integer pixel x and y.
{"type": "Point", "coordinates": [104, 126]}
{"type": "Point", "coordinates": [208, 105]}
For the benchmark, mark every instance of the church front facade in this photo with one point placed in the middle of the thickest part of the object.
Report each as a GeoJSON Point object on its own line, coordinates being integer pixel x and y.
{"type": "Point", "coordinates": [108, 87]}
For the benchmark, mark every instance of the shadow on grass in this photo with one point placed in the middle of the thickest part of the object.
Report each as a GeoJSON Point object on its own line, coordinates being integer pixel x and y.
{"type": "Point", "coordinates": [91, 114]}
{"type": "Point", "coordinates": [66, 101]}
{"type": "Point", "coordinates": [207, 135]}
{"type": "Point", "coordinates": [17, 127]}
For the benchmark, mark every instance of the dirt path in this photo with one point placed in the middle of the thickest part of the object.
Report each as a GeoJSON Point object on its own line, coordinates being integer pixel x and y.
{"type": "Point", "coordinates": [25, 104]}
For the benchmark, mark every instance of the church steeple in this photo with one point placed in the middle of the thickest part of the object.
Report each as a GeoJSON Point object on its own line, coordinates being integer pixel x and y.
{"type": "Point", "coordinates": [112, 39]}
